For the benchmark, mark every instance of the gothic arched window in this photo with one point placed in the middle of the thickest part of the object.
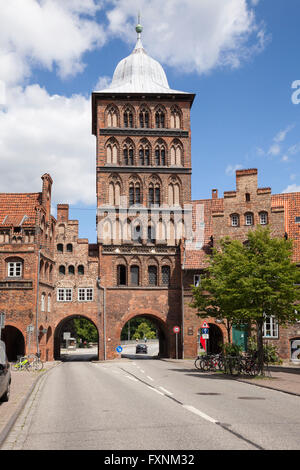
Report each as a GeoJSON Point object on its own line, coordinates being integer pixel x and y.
{"type": "Point", "coordinates": [128, 153]}
{"type": "Point", "coordinates": [160, 154]}
{"type": "Point", "coordinates": [128, 118]}
{"type": "Point", "coordinates": [144, 118]}
{"type": "Point", "coordinates": [160, 119]}
{"type": "Point", "coordinates": [144, 155]}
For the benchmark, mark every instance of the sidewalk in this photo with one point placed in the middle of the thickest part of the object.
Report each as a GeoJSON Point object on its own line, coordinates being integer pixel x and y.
{"type": "Point", "coordinates": [22, 384]}
{"type": "Point", "coordinates": [284, 378]}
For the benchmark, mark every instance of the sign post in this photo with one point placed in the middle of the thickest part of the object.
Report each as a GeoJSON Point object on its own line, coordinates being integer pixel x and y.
{"type": "Point", "coordinates": [176, 330]}
{"type": "Point", "coordinates": [204, 334]}
{"type": "Point", "coordinates": [2, 322]}
{"type": "Point", "coordinates": [29, 330]}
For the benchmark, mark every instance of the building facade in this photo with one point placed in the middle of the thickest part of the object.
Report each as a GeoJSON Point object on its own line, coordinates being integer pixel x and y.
{"type": "Point", "coordinates": [152, 239]}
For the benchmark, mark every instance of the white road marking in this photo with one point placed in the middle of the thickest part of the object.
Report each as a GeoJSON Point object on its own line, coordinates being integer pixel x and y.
{"type": "Point", "coordinates": [166, 391]}
{"type": "Point", "coordinates": [200, 413]}
{"type": "Point", "coordinates": [157, 391]}
{"type": "Point", "coordinates": [150, 378]}
{"type": "Point", "coordinates": [142, 371]}
{"type": "Point", "coordinates": [132, 378]}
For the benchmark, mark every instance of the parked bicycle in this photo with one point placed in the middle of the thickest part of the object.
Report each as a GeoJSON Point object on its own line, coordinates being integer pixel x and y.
{"type": "Point", "coordinates": [29, 362]}
{"type": "Point", "coordinates": [210, 362]}
{"type": "Point", "coordinates": [238, 365]}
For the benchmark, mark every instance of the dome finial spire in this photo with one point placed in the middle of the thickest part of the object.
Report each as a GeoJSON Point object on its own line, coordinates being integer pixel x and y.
{"type": "Point", "coordinates": [139, 27]}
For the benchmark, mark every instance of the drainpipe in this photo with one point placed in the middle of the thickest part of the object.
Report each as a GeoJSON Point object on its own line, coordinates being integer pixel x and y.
{"type": "Point", "coordinates": [37, 303]}
{"type": "Point", "coordinates": [104, 314]}
{"type": "Point", "coordinates": [182, 300]}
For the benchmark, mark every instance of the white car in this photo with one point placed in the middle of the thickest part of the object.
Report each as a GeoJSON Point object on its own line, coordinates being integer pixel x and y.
{"type": "Point", "coordinates": [5, 374]}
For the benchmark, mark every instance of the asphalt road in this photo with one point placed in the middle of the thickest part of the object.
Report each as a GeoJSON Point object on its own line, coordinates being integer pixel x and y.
{"type": "Point", "coordinates": [147, 404]}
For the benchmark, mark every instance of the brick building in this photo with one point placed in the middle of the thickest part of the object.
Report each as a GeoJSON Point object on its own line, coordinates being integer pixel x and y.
{"type": "Point", "coordinates": [152, 238]}
{"type": "Point", "coordinates": [239, 211]}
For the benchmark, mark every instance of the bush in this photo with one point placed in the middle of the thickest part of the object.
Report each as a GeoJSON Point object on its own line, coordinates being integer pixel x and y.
{"type": "Point", "coordinates": [230, 349]}
{"type": "Point", "coordinates": [270, 351]}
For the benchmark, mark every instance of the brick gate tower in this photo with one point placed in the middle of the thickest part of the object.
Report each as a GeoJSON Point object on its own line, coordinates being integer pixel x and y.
{"type": "Point", "coordinates": [143, 138]}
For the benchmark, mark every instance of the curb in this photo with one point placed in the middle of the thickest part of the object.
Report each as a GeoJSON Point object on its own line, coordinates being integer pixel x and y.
{"type": "Point", "coordinates": [270, 388]}
{"type": "Point", "coordinates": [7, 428]}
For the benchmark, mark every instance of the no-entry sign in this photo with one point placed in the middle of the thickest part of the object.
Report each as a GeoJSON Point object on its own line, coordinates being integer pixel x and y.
{"type": "Point", "coordinates": [176, 329]}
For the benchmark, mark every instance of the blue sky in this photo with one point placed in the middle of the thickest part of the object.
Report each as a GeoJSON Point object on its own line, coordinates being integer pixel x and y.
{"type": "Point", "coordinates": [241, 68]}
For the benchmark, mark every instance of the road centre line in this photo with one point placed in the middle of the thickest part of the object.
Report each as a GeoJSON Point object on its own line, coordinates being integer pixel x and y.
{"type": "Point", "coordinates": [166, 391]}
{"type": "Point", "coordinates": [155, 390]}
{"type": "Point", "coordinates": [200, 413]}
{"type": "Point", "coordinates": [132, 378]}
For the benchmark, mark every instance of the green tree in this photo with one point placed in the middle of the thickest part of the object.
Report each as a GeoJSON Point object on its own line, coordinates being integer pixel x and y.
{"type": "Point", "coordinates": [144, 330]}
{"type": "Point", "coordinates": [133, 325]}
{"type": "Point", "coordinates": [85, 330]}
{"type": "Point", "coordinates": [251, 281]}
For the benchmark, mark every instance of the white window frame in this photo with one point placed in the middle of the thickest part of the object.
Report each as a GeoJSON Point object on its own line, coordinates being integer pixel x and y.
{"type": "Point", "coordinates": [64, 294]}
{"type": "Point", "coordinates": [263, 218]}
{"type": "Point", "coordinates": [234, 220]}
{"type": "Point", "coordinates": [248, 217]}
{"type": "Point", "coordinates": [85, 294]}
{"type": "Point", "coordinates": [270, 327]}
{"type": "Point", "coordinates": [14, 269]}
{"type": "Point", "coordinates": [197, 280]}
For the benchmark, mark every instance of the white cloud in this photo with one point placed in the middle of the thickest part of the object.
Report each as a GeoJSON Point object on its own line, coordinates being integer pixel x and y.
{"type": "Point", "coordinates": [231, 169]}
{"type": "Point", "coordinates": [294, 149]}
{"type": "Point", "coordinates": [189, 34]}
{"type": "Point", "coordinates": [102, 83]}
{"type": "Point", "coordinates": [260, 152]}
{"type": "Point", "coordinates": [274, 150]}
{"type": "Point", "coordinates": [280, 137]}
{"type": "Point", "coordinates": [41, 133]}
{"type": "Point", "coordinates": [285, 158]}
{"type": "Point", "coordinates": [292, 188]}
{"type": "Point", "coordinates": [46, 33]}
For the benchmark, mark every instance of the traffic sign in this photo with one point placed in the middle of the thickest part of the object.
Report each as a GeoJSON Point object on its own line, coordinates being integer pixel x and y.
{"type": "Point", "coordinates": [205, 331]}
{"type": "Point", "coordinates": [176, 329]}
{"type": "Point", "coordinates": [205, 336]}
{"type": "Point", "coordinates": [119, 349]}
{"type": "Point", "coordinates": [204, 325]}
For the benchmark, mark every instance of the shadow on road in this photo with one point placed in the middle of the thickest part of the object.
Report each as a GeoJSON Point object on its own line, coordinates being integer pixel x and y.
{"type": "Point", "coordinates": [139, 356]}
{"type": "Point", "coordinates": [78, 357]}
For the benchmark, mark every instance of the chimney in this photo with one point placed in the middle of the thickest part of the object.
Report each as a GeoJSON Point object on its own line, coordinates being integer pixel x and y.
{"type": "Point", "coordinates": [214, 194]}
{"type": "Point", "coordinates": [62, 212]}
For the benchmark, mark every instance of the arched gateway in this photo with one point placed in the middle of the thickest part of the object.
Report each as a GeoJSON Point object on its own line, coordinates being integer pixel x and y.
{"type": "Point", "coordinates": [157, 325]}
{"type": "Point", "coordinates": [68, 335]}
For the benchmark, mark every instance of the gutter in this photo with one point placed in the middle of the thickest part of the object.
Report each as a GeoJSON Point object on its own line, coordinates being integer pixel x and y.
{"type": "Point", "coordinates": [104, 314]}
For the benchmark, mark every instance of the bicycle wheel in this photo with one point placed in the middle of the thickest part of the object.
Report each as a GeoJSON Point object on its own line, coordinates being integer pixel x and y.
{"type": "Point", "coordinates": [37, 364]}
{"type": "Point", "coordinates": [197, 363]}
{"type": "Point", "coordinates": [254, 369]}
{"type": "Point", "coordinates": [204, 365]}
{"type": "Point", "coordinates": [16, 366]}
